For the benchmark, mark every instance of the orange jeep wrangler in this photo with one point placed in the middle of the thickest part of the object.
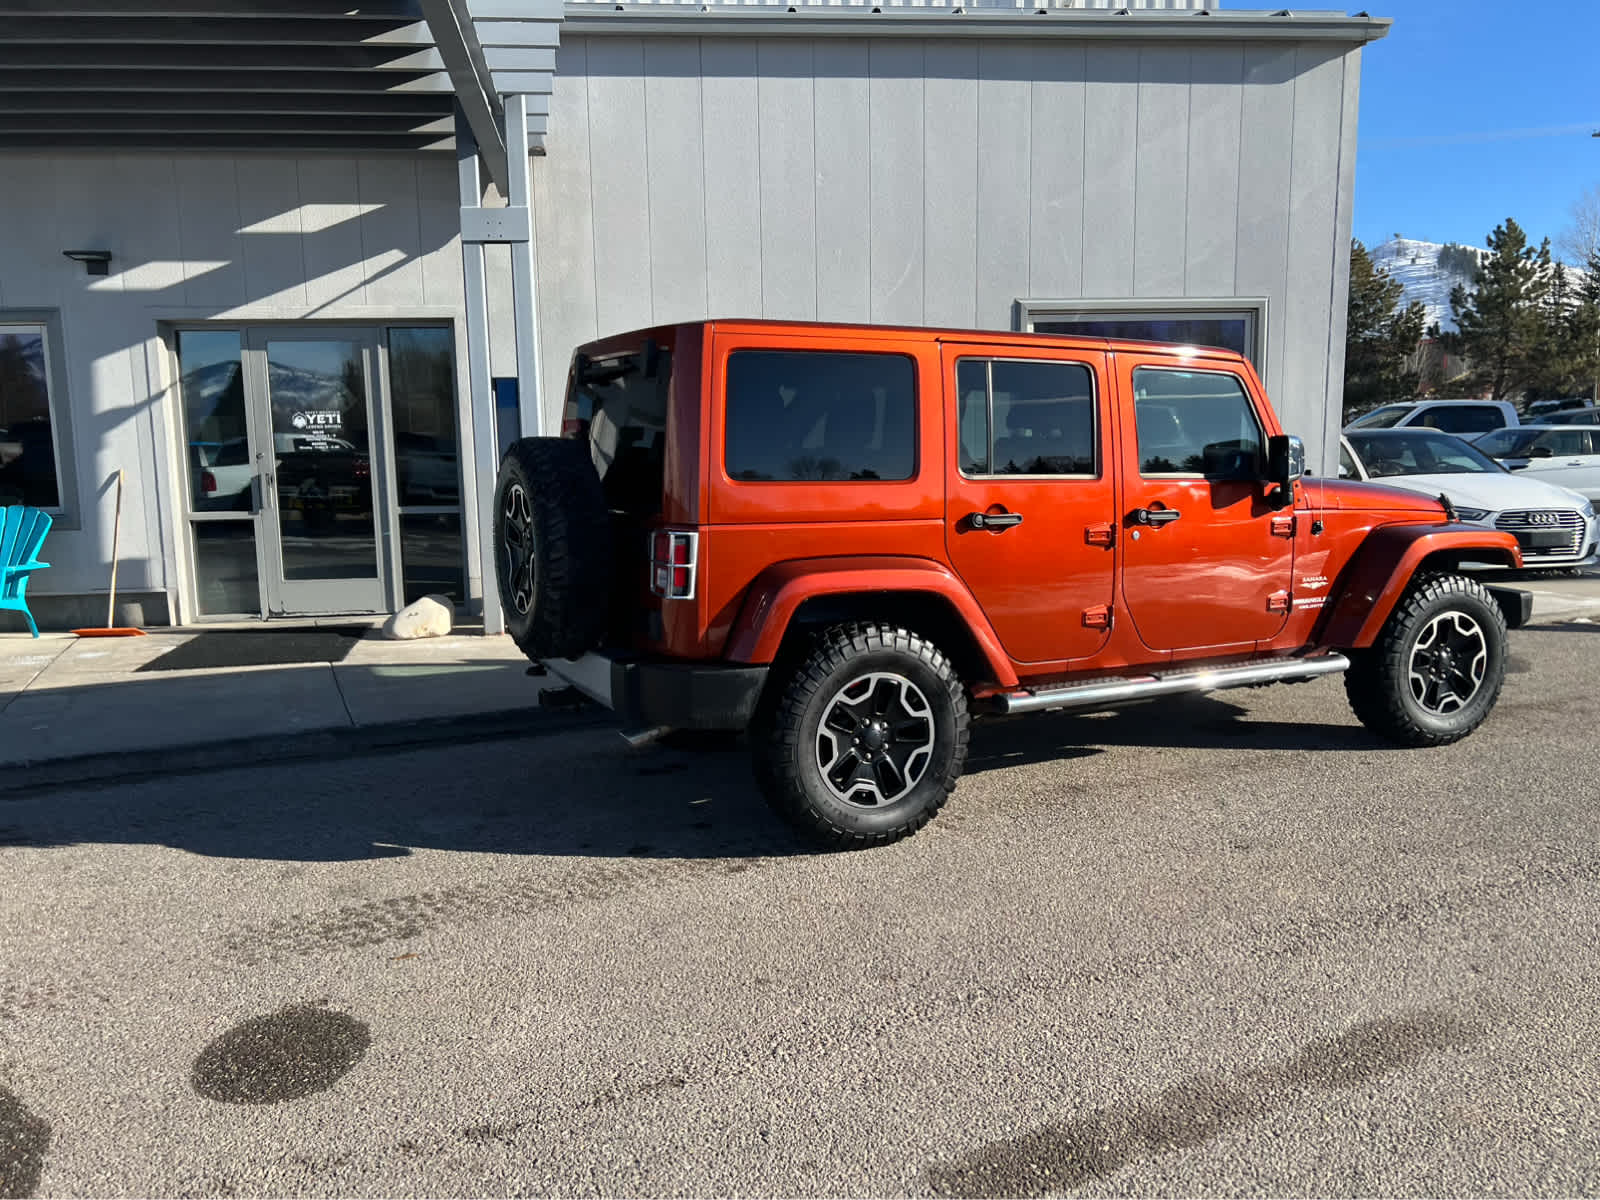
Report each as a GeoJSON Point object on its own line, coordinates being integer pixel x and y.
{"type": "Point", "coordinates": [849, 540]}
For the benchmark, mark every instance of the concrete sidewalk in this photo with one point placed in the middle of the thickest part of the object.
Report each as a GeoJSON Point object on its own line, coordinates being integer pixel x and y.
{"type": "Point", "coordinates": [63, 697]}
{"type": "Point", "coordinates": [67, 700]}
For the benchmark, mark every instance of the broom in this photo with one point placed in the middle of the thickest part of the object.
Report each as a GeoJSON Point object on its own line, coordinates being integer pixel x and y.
{"type": "Point", "coordinates": [110, 630]}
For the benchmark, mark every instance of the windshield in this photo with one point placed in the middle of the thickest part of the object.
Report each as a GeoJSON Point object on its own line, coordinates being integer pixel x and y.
{"type": "Point", "coordinates": [1507, 443]}
{"type": "Point", "coordinates": [1420, 453]}
{"type": "Point", "coordinates": [1381, 418]}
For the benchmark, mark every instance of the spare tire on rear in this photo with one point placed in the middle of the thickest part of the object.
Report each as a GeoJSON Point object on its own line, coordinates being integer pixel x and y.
{"type": "Point", "coordinates": [552, 542]}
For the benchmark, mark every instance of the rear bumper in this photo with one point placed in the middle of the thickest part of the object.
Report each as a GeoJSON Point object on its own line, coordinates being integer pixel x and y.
{"type": "Point", "coordinates": [646, 694]}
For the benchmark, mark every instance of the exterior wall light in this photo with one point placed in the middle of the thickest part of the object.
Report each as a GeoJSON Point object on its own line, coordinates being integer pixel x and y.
{"type": "Point", "coordinates": [95, 262]}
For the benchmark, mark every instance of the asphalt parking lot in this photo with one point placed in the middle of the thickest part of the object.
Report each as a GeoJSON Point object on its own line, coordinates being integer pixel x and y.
{"type": "Point", "coordinates": [1226, 946]}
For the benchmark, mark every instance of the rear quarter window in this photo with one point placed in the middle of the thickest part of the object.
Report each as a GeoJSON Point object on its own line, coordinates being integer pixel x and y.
{"type": "Point", "coordinates": [814, 415]}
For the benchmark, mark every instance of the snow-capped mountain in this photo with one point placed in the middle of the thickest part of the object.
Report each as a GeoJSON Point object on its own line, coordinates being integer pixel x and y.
{"type": "Point", "coordinates": [1428, 271]}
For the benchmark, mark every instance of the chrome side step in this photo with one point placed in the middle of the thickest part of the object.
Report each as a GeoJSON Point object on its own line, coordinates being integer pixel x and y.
{"type": "Point", "coordinates": [1103, 693]}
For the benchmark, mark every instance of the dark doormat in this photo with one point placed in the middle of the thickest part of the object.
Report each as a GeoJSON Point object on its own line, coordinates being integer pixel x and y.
{"type": "Point", "coordinates": [259, 648]}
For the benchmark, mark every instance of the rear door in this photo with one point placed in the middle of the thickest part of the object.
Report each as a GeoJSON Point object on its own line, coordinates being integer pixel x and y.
{"type": "Point", "coordinates": [1206, 562]}
{"type": "Point", "coordinates": [1574, 460]}
{"type": "Point", "coordinates": [1030, 510]}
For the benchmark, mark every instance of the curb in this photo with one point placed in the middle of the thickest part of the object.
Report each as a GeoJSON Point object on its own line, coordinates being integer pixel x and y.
{"type": "Point", "coordinates": [126, 766]}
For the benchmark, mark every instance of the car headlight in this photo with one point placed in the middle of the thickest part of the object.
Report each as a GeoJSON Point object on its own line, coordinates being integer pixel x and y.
{"type": "Point", "coordinates": [1472, 514]}
{"type": "Point", "coordinates": [1588, 509]}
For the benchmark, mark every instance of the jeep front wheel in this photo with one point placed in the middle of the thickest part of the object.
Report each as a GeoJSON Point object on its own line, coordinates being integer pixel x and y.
{"type": "Point", "coordinates": [862, 744]}
{"type": "Point", "coordinates": [1436, 669]}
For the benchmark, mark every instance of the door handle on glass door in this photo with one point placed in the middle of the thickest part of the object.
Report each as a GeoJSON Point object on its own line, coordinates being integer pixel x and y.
{"type": "Point", "coordinates": [999, 522]}
{"type": "Point", "coordinates": [1155, 516]}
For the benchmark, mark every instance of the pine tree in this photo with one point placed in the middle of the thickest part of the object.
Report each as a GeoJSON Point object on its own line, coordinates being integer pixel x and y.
{"type": "Point", "coordinates": [1502, 323]}
{"type": "Point", "coordinates": [1380, 338]}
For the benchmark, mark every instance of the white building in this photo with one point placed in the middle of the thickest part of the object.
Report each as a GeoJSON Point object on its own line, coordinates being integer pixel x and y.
{"type": "Point", "coordinates": [236, 265]}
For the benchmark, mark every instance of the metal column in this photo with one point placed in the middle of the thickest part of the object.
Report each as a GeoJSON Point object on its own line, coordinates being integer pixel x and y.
{"type": "Point", "coordinates": [484, 463]}
{"type": "Point", "coordinates": [524, 295]}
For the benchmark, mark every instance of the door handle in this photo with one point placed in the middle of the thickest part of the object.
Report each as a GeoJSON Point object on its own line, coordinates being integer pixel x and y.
{"type": "Point", "coordinates": [1155, 516]}
{"type": "Point", "coordinates": [256, 491]}
{"type": "Point", "coordinates": [999, 522]}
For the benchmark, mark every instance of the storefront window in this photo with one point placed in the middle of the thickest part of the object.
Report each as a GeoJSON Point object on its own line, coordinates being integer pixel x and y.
{"type": "Point", "coordinates": [29, 434]}
{"type": "Point", "coordinates": [1196, 324]}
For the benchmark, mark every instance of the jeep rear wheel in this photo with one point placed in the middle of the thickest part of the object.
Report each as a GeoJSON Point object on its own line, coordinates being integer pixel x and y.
{"type": "Point", "coordinates": [1436, 669]}
{"type": "Point", "coordinates": [866, 739]}
{"type": "Point", "coordinates": [552, 547]}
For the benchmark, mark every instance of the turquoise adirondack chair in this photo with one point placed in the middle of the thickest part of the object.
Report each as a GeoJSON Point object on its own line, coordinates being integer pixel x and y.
{"type": "Point", "coordinates": [22, 533]}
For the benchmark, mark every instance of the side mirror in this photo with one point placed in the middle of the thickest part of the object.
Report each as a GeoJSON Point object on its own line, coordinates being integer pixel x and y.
{"type": "Point", "coordinates": [1286, 462]}
{"type": "Point", "coordinates": [1539, 452]}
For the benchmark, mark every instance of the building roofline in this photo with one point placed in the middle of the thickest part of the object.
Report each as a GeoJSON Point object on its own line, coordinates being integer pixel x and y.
{"type": "Point", "coordinates": [586, 17]}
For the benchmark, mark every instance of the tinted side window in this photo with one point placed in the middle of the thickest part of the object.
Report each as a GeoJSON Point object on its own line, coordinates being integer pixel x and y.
{"type": "Point", "coordinates": [1465, 418]}
{"type": "Point", "coordinates": [620, 406]}
{"type": "Point", "coordinates": [972, 388]}
{"type": "Point", "coordinates": [820, 415]}
{"type": "Point", "coordinates": [1347, 465]}
{"type": "Point", "coordinates": [1026, 418]}
{"type": "Point", "coordinates": [1195, 423]}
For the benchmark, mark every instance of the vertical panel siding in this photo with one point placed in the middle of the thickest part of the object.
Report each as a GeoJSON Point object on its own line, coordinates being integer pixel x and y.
{"type": "Point", "coordinates": [676, 181]}
{"type": "Point", "coordinates": [785, 110]}
{"type": "Point", "coordinates": [1313, 200]}
{"type": "Point", "coordinates": [954, 157]}
{"type": "Point", "coordinates": [1055, 223]}
{"type": "Point", "coordinates": [330, 229]}
{"type": "Point", "coordinates": [1162, 171]}
{"type": "Point", "coordinates": [1005, 202]}
{"type": "Point", "coordinates": [1266, 154]}
{"type": "Point", "coordinates": [390, 235]}
{"type": "Point", "coordinates": [844, 183]}
{"type": "Point", "coordinates": [1216, 98]}
{"type": "Point", "coordinates": [208, 218]}
{"type": "Point", "coordinates": [1339, 290]}
{"type": "Point", "coordinates": [939, 181]}
{"type": "Point", "coordinates": [899, 175]}
{"type": "Point", "coordinates": [732, 140]}
{"type": "Point", "coordinates": [1110, 142]}
{"type": "Point", "coordinates": [564, 220]}
{"type": "Point", "coordinates": [269, 216]}
{"type": "Point", "coordinates": [619, 169]}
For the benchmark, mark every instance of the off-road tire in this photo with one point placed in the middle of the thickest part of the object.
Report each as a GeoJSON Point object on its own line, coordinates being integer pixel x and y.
{"type": "Point", "coordinates": [785, 735]}
{"type": "Point", "coordinates": [1378, 682]}
{"type": "Point", "coordinates": [559, 609]}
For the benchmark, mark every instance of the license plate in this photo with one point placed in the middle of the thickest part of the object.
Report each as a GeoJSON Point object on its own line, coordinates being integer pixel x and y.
{"type": "Point", "coordinates": [1545, 539]}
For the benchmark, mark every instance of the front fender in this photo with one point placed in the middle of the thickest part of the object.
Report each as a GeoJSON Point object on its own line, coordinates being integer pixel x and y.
{"type": "Point", "coordinates": [781, 589]}
{"type": "Point", "coordinates": [1382, 569]}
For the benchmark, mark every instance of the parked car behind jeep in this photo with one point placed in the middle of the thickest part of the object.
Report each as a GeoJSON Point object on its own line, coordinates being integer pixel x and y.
{"type": "Point", "coordinates": [850, 540]}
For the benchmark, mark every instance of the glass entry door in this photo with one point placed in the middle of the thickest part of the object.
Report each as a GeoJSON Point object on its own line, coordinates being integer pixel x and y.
{"type": "Point", "coordinates": [312, 444]}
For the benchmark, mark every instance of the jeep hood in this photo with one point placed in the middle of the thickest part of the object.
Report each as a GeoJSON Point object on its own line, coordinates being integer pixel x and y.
{"type": "Point", "coordinates": [1371, 497]}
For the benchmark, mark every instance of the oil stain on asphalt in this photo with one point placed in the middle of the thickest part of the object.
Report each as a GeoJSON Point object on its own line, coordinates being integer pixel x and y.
{"type": "Point", "coordinates": [24, 1138]}
{"type": "Point", "coordinates": [1191, 1112]}
{"type": "Point", "coordinates": [285, 1055]}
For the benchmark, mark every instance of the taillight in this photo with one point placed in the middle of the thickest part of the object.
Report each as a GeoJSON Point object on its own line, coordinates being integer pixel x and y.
{"type": "Point", "coordinates": [208, 482]}
{"type": "Point", "coordinates": [674, 557]}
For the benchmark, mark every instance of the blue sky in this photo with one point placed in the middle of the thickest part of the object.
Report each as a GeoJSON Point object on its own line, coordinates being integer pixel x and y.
{"type": "Point", "coordinates": [1473, 111]}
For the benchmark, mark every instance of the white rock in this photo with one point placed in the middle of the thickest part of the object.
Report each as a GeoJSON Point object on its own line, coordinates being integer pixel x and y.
{"type": "Point", "coordinates": [429, 617]}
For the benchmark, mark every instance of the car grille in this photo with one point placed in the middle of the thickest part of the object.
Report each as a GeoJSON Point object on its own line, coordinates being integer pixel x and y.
{"type": "Point", "coordinates": [1523, 521]}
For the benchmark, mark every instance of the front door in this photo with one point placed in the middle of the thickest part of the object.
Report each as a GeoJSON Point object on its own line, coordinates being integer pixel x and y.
{"type": "Point", "coordinates": [1573, 460]}
{"type": "Point", "coordinates": [1030, 505]}
{"type": "Point", "coordinates": [312, 444]}
{"type": "Point", "coordinates": [1206, 561]}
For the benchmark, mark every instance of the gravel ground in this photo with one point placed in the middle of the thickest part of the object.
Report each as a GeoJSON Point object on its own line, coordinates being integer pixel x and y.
{"type": "Point", "coordinates": [1226, 946]}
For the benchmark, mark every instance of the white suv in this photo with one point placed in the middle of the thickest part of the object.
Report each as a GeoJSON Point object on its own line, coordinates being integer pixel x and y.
{"type": "Point", "coordinates": [1466, 417]}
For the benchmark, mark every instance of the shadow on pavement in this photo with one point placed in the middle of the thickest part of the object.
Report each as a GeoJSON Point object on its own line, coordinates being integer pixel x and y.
{"type": "Point", "coordinates": [1191, 722]}
{"type": "Point", "coordinates": [574, 793]}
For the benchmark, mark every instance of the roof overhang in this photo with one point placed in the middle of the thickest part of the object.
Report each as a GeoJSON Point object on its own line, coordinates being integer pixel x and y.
{"type": "Point", "coordinates": [361, 76]}
{"type": "Point", "coordinates": [860, 20]}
